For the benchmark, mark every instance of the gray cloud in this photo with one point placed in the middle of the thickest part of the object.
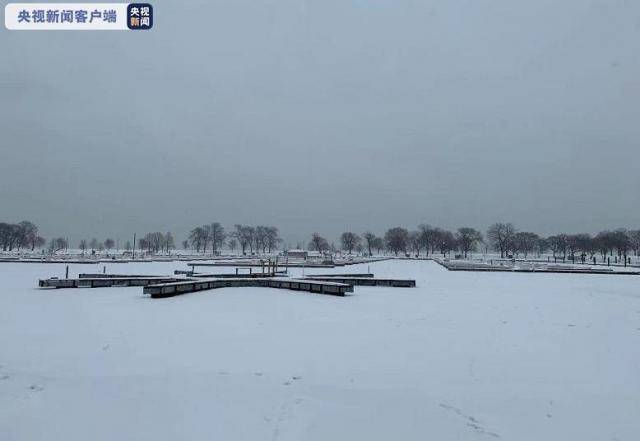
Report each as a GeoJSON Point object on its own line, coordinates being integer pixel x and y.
{"type": "Point", "coordinates": [327, 115]}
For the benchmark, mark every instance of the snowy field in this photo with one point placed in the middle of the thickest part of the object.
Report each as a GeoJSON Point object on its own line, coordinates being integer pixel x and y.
{"type": "Point", "coordinates": [464, 356]}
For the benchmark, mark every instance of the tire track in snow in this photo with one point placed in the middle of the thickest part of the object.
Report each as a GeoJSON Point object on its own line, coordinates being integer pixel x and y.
{"type": "Point", "coordinates": [471, 421]}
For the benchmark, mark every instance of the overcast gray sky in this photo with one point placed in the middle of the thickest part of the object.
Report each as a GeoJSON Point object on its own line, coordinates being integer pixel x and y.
{"type": "Point", "coordinates": [327, 115]}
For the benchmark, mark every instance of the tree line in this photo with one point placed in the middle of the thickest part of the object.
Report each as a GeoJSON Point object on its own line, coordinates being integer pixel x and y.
{"type": "Point", "coordinates": [500, 237]}
{"type": "Point", "coordinates": [260, 238]}
{"type": "Point", "coordinates": [503, 238]}
{"type": "Point", "coordinates": [20, 236]}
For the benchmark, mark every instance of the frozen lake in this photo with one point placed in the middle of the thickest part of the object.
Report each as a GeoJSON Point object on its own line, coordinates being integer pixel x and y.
{"type": "Point", "coordinates": [463, 356]}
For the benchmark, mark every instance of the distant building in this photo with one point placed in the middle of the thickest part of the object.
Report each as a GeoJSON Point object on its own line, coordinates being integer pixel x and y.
{"type": "Point", "coordinates": [297, 254]}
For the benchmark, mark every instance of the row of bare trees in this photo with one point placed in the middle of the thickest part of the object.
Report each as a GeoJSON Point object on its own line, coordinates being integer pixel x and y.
{"type": "Point", "coordinates": [501, 237]}
{"type": "Point", "coordinates": [504, 238]}
{"type": "Point", "coordinates": [157, 242]}
{"type": "Point", "coordinates": [399, 240]}
{"type": "Point", "coordinates": [247, 238]}
{"type": "Point", "coordinates": [96, 245]}
{"type": "Point", "coordinates": [23, 235]}
{"type": "Point", "coordinates": [508, 241]}
{"type": "Point", "coordinates": [431, 240]}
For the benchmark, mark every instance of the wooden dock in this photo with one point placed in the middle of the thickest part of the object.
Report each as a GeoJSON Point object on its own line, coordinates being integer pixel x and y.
{"type": "Point", "coordinates": [367, 281]}
{"type": "Point", "coordinates": [111, 276]}
{"type": "Point", "coordinates": [303, 264]}
{"type": "Point", "coordinates": [341, 275]}
{"type": "Point", "coordinates": [229, 275]}
{"type": "Point", "coordinates": [258, 265]}
{"type": "Point", "coordinates": [104, 282]}
{"type": "Point", "coordinates": [171, 289]}
{"type": "Point", "coordinates": [554, 269]}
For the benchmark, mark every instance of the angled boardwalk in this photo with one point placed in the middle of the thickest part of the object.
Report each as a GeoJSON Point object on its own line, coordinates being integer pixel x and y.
{"type": "Point", "coordinates": [171, 289]}
{"type": "Point", "coordinates": [367, 281]}
{"type": "Point", "coordinates": [104, 282]}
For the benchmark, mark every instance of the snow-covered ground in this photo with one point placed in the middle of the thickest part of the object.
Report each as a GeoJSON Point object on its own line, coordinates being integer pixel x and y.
{"type": "Point", "coordinates": [464, 356]}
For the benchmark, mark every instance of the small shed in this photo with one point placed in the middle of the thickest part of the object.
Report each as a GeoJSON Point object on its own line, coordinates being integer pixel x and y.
{"type": "Point", "coordinates": [297, 254]}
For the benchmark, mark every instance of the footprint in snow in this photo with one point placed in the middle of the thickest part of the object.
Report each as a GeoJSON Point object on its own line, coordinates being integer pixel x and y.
{"type": "Point", "coordinates": [36, 388]}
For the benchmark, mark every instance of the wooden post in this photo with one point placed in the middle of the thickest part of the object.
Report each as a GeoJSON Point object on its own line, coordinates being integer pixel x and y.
{"type": "Point", "coordinates": [66, 273]}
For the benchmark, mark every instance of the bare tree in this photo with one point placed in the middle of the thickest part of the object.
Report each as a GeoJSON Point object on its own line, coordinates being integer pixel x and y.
{"type": "Point", "coordinates": [542, 246]}
{"type": "Point", "coordinates": [501, 237]}
{"type": "Point", "coordinates": [10, 235]}
{"type": "Point", "coordinates": [349, 241]}
{"type": "Point", "coordinates": [27, 233]}
{"type": "Point", "coordinates": [397, 240]}
{"type": "Point", "coordinates": [415, 242]}
{"type": "Point", "coordinates": [272, 238]}
{"type": "Point", "coordinates": [260, 238]}
{"type": "Point", "coordinates": [168, 242]}
{"type": "Point", "coordinates": [217, 236]}
{"type": "Point", "coordinates": [109, 244]}
{"type": "Point", "coordinates": [621, 242]}
{"type": "Point", "coordinates": [318, 243]}
{"type": "Point", "coordinates": [244, 234]}
{"type": "Point", "coordinates": [198, 236]}
{"type": "Point", "coordinates": [153, 242]}
{"type": "Point", "coordinates": [58, 244]}
{"type": "Point", "coordinates": [558, 245]}
{"type": "Point", "coordinates": [447, 242]}
{"type": "Point", "coordinates": [634, 241]}
{"type": "Point", "coordinates": [38, 242]}
{"type": "Point", "coordinates": [369, 240]}
{"type": "Point", "coordinates": [468, 239]}
{"type": "Point", "coordinates": [525, 242]}
{"type": "Point", "coordinates": [232, 245]}
{"type": "Point", "coordinates": [430, 237]}
{"type": "Point", "coordinates": [83, 246]}
{"type": "Point", "coordinates": [378, 245]}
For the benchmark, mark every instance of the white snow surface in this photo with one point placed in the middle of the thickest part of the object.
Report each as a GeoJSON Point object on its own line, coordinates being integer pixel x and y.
{"type": "Point", "coordinates": [464, 356]}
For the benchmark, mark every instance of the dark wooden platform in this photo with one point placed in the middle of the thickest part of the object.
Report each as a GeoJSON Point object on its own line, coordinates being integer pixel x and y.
{"type": "Point", "coordinates": [341, 275]}
{"type": "Point", "coordinates": [367, 281]}
{"type": "Point", "coordinates": [229, 275]}
{"type": "Point", "coordinates": [162, 290]}
{"type": "Point", "coordinates": [111, 276]}
{"type": "Point", "coordinates": [258, 265]}
{"type": "Point", "coordinates": [104, 282]}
